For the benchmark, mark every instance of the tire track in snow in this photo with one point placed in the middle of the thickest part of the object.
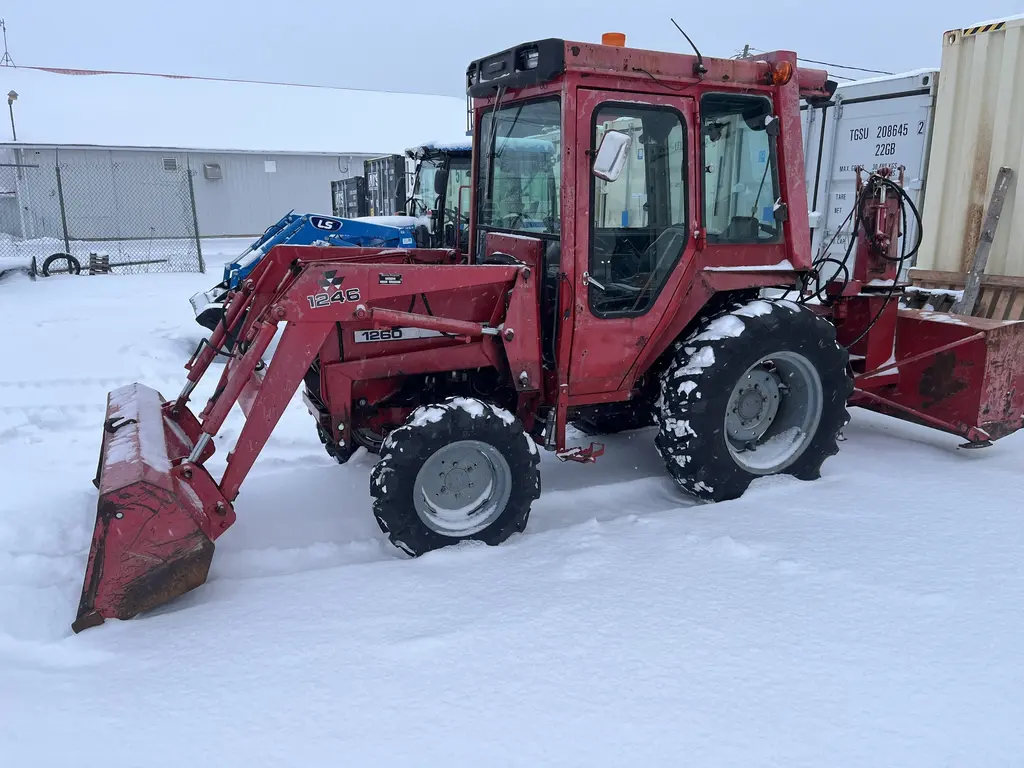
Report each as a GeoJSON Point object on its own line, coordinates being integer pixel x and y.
{"type": "Point", "coordinates": [552, 514]}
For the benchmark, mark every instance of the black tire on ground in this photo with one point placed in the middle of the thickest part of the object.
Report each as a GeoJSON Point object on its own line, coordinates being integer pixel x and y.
{"type": "Point", "coordinates": [74, 267]}
{"type": "Point", "coordinates": [726, 366]}
{"type": "Point", "coordinates": [418, 478]}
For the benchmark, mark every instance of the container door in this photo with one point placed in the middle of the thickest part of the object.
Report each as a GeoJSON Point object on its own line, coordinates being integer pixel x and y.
{"type": "Point", "coordinates": [884, 123]}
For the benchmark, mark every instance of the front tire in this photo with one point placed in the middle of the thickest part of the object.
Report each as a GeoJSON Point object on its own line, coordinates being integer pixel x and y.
{"type": "Point", "coordinates": [757, 390]}
{"type": "Point", "coordinates": [458, 471]}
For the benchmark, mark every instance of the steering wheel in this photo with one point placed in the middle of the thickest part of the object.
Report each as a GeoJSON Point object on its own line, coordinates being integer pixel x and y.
{"type": "Point", "coordinates": [513, 220]}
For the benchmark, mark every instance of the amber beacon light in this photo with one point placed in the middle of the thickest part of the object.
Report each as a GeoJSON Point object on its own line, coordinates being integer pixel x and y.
{"type": "Point", "coordinates": [618, 39]}
{"type": "Point", "coordinates": [780, 73]}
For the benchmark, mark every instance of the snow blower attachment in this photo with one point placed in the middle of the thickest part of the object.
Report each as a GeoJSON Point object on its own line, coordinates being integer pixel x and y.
{"type": "Point", "coordinates": [455, 372]}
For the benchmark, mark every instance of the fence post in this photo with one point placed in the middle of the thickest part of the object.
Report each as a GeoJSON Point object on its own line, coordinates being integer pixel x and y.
{"type": "Point", "coordinates": [63, 209]}
{"type": "Point", "coordinates": [195, 219]}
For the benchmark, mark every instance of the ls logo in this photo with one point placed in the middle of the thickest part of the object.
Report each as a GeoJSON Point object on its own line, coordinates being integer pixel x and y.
{"type": "Point", "coordinates": [328, 225]}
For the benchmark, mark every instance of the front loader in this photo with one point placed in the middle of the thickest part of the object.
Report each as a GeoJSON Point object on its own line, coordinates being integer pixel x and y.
{"type": "Point", "coordinates": [640, 237]}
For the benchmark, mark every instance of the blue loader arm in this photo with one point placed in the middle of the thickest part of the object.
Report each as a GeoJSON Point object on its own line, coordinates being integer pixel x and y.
{"type": "Point", "coordinates": [304, 229]}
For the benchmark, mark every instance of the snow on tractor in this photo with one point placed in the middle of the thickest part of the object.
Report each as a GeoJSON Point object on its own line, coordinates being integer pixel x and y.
{"type": "Point", "coordinates": [631, 212]}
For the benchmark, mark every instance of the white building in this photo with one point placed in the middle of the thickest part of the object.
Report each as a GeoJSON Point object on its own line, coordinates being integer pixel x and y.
{"type": "Point", "coordinates": [138, 152]}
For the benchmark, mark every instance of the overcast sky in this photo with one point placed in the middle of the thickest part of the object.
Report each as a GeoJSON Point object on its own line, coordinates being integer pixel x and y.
{"type": "Point", "coordinates": [415, 46]}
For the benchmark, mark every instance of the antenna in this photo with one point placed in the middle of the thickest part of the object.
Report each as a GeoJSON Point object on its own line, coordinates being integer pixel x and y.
{"type": "Point", "coordinates": [699, 70]}
{"type": "Point", "coordinates": [5, 60]}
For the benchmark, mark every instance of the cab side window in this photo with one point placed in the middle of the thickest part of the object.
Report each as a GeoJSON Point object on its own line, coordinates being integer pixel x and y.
{"type": "Point", "coordinates": [741, 183]}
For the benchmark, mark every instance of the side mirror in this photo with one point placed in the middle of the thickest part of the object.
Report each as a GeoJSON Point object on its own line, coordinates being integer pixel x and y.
{"type": "Point", "coordinates": [611, 155]}
{"type": "Point", "coordinates": [440, 181]}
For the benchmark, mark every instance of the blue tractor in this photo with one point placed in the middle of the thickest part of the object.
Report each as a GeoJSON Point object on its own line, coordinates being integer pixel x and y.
{"type": "Point", "coordinates": [437, 217]}
{"type": "Point", "coordinates": [301, 229]}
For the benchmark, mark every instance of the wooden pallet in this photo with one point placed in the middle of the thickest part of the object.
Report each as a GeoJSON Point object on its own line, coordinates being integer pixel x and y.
{"type": "Point", "coordinates": [1001, 298]}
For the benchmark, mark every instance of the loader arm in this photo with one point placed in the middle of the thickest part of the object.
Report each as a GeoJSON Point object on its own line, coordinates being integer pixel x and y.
{"type": "Point", "coordinates": [160, 510]}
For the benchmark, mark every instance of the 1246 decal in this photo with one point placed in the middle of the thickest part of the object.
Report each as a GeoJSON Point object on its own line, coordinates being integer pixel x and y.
{"type": "Point", "coordinates": [318, 300]}
{"type": "Point", "coordinates": [331, 291]}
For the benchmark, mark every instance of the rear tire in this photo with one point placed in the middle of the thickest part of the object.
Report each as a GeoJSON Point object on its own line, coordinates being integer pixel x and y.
{"type": "Point", "coordinates": [463, 470]}
{"type": "Point", "coordinates": [756, 390]}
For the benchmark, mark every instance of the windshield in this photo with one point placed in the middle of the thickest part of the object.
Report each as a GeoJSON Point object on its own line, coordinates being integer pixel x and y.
{"type": "Point", "coordinates": [423, 190]}
{"type": "Point", "coordinates": [424, 200]}
{"type": "Point", "coordinates": [520, 174]}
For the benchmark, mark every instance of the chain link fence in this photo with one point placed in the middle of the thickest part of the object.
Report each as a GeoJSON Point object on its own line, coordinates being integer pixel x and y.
{"type": "Point", "coordinates": [120, 217]}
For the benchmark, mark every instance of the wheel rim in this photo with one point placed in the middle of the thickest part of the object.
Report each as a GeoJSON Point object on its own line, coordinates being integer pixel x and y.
{"type": "Point", "coordinates": [462, 488]}
{"type": "Point", "coordinates": [773, 412]}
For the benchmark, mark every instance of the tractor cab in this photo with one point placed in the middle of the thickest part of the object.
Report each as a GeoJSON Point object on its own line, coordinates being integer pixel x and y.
{"type": "Point", "coordinates": [441, 191]}
{"type": "Point", "coordinates": [671, 167]}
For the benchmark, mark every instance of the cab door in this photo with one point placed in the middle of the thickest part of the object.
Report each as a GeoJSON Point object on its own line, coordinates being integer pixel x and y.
{"type": "Point", "coordinates": [633, 235]}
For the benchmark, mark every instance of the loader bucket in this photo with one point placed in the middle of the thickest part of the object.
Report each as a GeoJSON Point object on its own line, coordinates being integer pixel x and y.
{"type": "Point", "coordinates": [152, 540]}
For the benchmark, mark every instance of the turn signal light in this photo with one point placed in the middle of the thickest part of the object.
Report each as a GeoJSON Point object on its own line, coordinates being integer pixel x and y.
{"type": "Point", "coordinates": [618, 39]}
{"type": "Point", "coordinates": [780, 73]}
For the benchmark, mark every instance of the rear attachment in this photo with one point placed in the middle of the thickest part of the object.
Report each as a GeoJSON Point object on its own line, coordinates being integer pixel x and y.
{"type": "Point", "coordinates": [959, 374]}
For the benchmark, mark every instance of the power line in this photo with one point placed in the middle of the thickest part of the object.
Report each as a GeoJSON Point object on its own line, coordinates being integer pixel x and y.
{"type": "Point", "coordinates": [745, 54]}
{"type": "Point", "coordinates": [844, 66]}
{"type": "Point", "coordinates": [74, 71]}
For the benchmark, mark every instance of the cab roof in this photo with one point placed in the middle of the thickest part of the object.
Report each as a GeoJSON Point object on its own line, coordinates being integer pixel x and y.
{"type": "Point", "coordinates": [542, 61]}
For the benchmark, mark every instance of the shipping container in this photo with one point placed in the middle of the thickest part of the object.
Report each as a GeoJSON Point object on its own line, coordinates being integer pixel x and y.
{"type": "Point", "coordinates": [349, 197]}
{"type": "Point", "coordinates": [873, 123]}
{"type": "Point", "coordinates": [979, 127]}
{"type": "Point", "coordinates": [385, 185]}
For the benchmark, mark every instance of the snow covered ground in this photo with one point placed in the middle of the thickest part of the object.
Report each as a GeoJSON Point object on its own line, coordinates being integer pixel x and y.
{"type": "Point", "coordinates": [871, 618]}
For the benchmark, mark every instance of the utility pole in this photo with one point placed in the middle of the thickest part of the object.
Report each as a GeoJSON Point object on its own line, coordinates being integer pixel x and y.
{"type": "Point", "coordinates": [5, 60]}
{"type": "Point", "coordinates": [12, 96]}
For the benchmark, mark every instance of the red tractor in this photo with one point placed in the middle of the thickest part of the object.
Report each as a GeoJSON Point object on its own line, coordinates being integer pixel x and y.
{"type": "Point", "coordinates": [632, 211]}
